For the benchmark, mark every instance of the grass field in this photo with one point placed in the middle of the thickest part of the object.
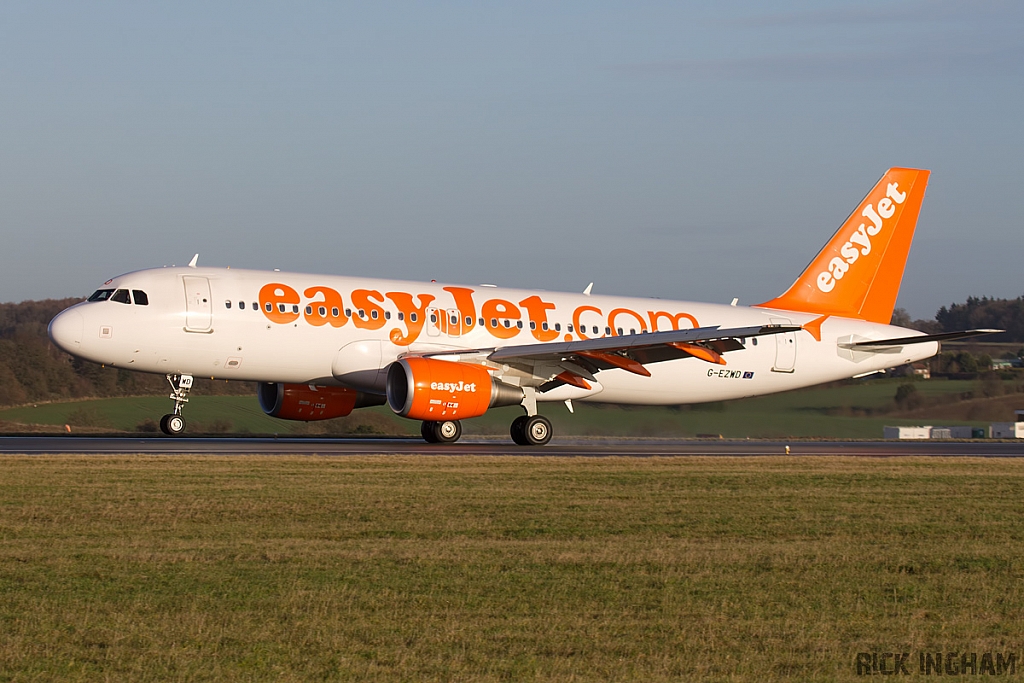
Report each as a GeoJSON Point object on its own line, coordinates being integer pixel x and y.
{"type": "Point", "coordinates": [394, 568]}
{"type": "Point", "coordinates": [854, 410]}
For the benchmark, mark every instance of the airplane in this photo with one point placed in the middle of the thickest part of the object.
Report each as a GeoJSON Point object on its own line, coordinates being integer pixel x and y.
{"type": "Point", "coordinates": [321, 346]}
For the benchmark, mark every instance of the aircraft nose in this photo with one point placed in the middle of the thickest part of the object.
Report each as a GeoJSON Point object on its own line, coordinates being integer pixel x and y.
{"type": "Point", "coordinates": [66, 330]}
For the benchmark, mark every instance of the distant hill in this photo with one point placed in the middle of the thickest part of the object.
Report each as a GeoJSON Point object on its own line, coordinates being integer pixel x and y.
{"type": "Point", "coordinates": [33, 370]}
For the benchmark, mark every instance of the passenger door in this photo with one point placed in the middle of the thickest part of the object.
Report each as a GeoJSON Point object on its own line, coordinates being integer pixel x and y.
{"type": "Point", "coordinates": [785, 348]}
{"type": "Point", "coordinates": [198, 304]}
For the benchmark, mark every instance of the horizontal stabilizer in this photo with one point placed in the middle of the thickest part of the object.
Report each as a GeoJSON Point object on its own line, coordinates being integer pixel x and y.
{"type": "Point", "coordinates": [906, 341]}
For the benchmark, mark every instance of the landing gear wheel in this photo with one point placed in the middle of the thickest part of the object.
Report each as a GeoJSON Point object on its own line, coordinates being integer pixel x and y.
{"type": "Point", "coordinates": [518, 431]}
{"type": "Point", "coordinates": [447, 431]}
{"type": "Point", "coordinates": [427, 431]}
{"type": "Point", "coordinates": [537, 430]}
{"type": "Point", "coordinates": [172, 425]}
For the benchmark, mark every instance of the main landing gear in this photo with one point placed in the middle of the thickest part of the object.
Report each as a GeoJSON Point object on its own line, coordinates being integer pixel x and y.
{"type": "Point", "coordinates": [173, 424]}
{"type": "Point", "coordinates": [531, 430]}
{"type": "Point", "coordinates": [445, 431]}
{"type": "Point", "coordinates": [526, 430]}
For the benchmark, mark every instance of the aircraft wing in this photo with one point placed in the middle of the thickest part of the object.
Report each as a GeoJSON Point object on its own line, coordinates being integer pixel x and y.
{"type": "Point", "coordinates": [555, 363]}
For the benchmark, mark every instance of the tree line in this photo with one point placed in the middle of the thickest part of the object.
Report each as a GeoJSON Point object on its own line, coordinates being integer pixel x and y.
{"type": "Point", "coordinates": [33, 370]}
{"type": "Point", "coordinates": [975, 313]}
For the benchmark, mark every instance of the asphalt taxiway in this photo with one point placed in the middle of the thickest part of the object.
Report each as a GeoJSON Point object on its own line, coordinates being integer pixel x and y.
{"type": "Point", "coordinates": [568, 447]}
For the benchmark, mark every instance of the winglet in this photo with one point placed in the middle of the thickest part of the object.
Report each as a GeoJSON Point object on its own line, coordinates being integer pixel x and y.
{"type": "Point", "coordinates": [589, 287]}
{"type": "Point", "coordinates": [194, 261]}
{"type": "Point", "coordinates": [858, 273]}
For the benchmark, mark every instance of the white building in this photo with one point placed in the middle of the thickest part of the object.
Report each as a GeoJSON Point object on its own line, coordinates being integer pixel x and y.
{"type": "Point", "coordinates": [907, 432]}
{"type": "Point", "coordinates": [929, 432]}
{"type": "Point", "coordinates": [1006, 430]}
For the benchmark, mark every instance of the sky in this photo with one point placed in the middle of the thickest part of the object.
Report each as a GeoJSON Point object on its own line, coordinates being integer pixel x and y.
{"type": "Point", "coordinates": [687, 150]}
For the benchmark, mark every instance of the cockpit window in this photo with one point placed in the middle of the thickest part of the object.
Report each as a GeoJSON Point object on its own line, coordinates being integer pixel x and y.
{"type": "Point", "coordinates": [101, 295]}
{"type": "Point", "coordinates": [141, 299]}
{"type": "Point", "coordinates": [121, 297]}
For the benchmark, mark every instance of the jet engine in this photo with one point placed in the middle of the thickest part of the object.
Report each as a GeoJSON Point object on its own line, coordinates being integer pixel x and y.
{"type": "Point", "coordinates": [308, 402]}
{"type": "Point", "coordinates": [438, 390]}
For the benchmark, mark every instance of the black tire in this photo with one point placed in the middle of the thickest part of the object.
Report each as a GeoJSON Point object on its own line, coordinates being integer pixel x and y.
{"type": "Point", "coordinates": [518, 431]}
{"type": "Point", "coordinates": [163, 425]}
{"type": "Point", "coordinates": [447, 431]}
{"type": "Point", "coordinates": [537, 430]}
{"type": "Point", "coordinates": [175, 424]}
{"type": "Point", "coordinates": [427, 431]}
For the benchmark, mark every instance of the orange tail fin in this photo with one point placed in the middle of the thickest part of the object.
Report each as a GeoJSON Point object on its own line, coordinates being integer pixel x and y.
{"type": "Point", "coordinates": [858, 273]}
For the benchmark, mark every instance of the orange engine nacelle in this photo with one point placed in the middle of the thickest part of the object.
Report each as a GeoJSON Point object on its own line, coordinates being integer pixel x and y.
{"type": "Point", "coordinates": [308, 402]}
{"type": "Point", "coordinates": [428, 389]}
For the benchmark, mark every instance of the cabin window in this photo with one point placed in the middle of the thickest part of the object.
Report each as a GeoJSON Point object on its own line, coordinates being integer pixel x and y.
{"type": "Point", "coordinates": [412, 317]}
{"type": "Point", "coordinates": [618, 331]}
{"type": "Point", "coordinates": [270, 307]}
{"type": "Point", "coordinates": [401, 316]}
{"type": "Point", "coordinates": [334, 311]}
{"type": "Point", "coordinates": [544, 326]}
{"type": "Point", "coordinates": [322, 310]}
{"type": "Point", "coordinates": [519, 324]}
{"type": "Point", "coordinates": [481, 322]}
{"type": "Point", "coordinates": [387, 315]}
{"type": "Point", "coordinates": [121, 296]}
{"type": "Point", "coordinates": [595, 329]}
{"type": "Point", "coordinates": [374, 314]}
{"type": "Point", "coordinates": [533, 325]}
{"type": "Point", "coordinates": [142, 300]}
{"type": "Point", "coordinates": [558, 327]}
{"type": "Point", "coordinates": [227, 304]}
{"type": "Point", "coordinates": [309, 310]}
{"type": "Point", "coordinates": [607, 330]}
{"type": "Point", "coordinates": [295, 308]}
{"type": "Point", "coordinates": [101, 295]}
{"type": "Point", "coordinates": [469, 321]}
{"type": "Point", "coordinates": [348, 312]}
{"type": "Point", "coordinates": [568, 327]}
{"type": "Point", "coordinates": [362, 313]}
{"type": "Point", "coordinates": [433, 317]}
{"type": "Point", "coordinates": [754, 341]}
{"type": "Point", "coordinates": [455, 320]}
{"type": "Point", "coordinates": [281, 308]}
{"type": "Point", "coordinates": [494, 322]}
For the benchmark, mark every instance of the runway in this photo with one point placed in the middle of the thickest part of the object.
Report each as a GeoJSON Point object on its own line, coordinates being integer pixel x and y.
{"type": "Point", "coordinates": [568, 447]}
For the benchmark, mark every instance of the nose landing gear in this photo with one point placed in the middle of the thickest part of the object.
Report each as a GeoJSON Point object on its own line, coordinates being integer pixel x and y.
{"type": "Point", "coordinates": [173, 424]}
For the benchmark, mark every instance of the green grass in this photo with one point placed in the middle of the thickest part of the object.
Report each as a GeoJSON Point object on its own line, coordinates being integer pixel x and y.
{"type": "Point", "coordinates": [484, 569]}
{"type": "Point", "coordinates": [845, 411]}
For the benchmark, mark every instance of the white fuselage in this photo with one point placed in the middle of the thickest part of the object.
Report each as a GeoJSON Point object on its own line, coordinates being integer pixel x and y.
{"type": "Point", "coordinates": [210, 322]}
